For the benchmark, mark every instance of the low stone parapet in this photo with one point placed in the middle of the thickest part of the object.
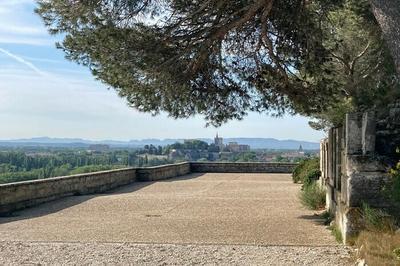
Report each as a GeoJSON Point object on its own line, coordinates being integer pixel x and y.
{"type": "Point", "coordinates": [162, 172]}
{"type": "Point", "coordinates": [20, 195]}
{"type": "Point", "coordinates": [239, 167]}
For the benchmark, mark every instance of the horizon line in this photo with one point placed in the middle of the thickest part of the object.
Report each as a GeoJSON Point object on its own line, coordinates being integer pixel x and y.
{"type": "Point", "coordinates": [142, 139]}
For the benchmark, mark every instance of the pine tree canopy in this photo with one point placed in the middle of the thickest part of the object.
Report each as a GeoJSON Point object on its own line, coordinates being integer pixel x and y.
{"type": "Point", "coordinates": [220, 59]}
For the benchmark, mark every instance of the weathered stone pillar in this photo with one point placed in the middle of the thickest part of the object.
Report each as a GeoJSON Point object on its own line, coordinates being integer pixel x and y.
{"type": "Point", "coordinates": [322, 163]}
{"type": "Point", "coordinates": [363, 175]}
{"type": "Point", "coordinates": [353, 133]}
{"type": "Point", "coordinates": [368, 133]}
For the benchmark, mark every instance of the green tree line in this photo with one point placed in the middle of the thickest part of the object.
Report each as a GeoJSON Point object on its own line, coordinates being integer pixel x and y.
{"type": "Point", "coordinates": [20, 166]}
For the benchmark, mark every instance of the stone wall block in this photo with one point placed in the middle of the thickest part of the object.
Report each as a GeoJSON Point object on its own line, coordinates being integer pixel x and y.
{"type": "Point", "coordinates": [162, 172]}
{"type": "Point", "coordinates": [353, 133]}
{"type": "Point", "coordinates": [216, 167]}
{"type": "Point", "coordinates": [394, 116]}
{"type": "Point", "coordinates": [363, 163]}
{"type": "Point", "coordinates": [368, 133]}
{"type": "Point", "coordinates": [351, 223]}
{"type": "Point", "coordinates": [366, 188]}
{"type": "Point", "coordinates": [345, 190]}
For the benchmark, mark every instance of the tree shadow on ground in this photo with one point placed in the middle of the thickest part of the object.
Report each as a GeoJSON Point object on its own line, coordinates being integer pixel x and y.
{"type": "Point", "coordinates": [315, 218]}
{"type": "Point", "coordinates": [58, 205]}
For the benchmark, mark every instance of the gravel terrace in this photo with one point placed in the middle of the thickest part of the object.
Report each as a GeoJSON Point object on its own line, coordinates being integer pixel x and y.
{"type": "Point", "coordinates": [206, 219]}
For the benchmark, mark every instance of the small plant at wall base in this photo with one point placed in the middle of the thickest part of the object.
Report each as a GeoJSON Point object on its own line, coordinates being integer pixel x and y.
{"type": "Point", "coordinates": [336, 233]}
{"type": "Point", "coordinates": [327, 216]}
{"type": "Point", "coordinates": [392, 191]}
{"type": "Point", "coordinates": [377, 220]}
{"type": "Point", "coordinates": [313, 196]}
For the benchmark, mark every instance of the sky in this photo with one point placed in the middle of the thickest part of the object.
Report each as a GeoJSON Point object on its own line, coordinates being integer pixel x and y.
{"type": "Point", "coordinates": [43, 94]}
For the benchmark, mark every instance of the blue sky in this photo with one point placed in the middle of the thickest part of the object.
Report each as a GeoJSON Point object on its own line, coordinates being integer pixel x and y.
{"type": "Point", "coordinates": [42, 94]}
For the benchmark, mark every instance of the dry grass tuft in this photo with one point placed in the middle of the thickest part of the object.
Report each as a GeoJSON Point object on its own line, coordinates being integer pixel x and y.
{"type": "Point", "coordinates": [379, 248]}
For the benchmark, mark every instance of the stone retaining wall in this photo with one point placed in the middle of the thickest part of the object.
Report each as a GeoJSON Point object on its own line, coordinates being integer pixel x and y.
{"type": "Point", "coordinates": [210, 167]}
{"type": "Point", "coordinates": [162, 172]}
{"type": "Point", "coordinates": [20, 195]}
{"type": "Point", "coordinates": [352, 171]}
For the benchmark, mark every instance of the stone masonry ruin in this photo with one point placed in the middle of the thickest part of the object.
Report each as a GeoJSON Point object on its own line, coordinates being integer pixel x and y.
{"type": "Point", "coordinates": [355, 160]}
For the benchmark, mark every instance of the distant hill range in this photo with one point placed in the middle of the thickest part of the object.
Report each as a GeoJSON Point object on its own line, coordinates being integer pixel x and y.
{"type": "Point", "coordinates": [255, 143]}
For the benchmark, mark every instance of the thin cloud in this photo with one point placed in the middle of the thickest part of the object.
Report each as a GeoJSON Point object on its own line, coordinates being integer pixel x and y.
{"type": "Point", "coordinates": [45, 60]}
{"type": "Point", "coordinates": [19, 24]}
{"type": "Point", "coordinates": [6, 39]}
{"type": "Point", "coordinates": [22, 29]}
{"type": "Point", "coordinates": [23, 61]}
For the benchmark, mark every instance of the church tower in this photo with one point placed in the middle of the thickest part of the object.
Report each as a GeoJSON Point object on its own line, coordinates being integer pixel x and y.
{"type": "Point", "coordinates": [301, 151]}
{"type": "Point", "coordinates": [219, 142]}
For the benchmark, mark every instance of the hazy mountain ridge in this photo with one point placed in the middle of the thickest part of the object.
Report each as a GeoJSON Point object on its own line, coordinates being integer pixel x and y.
{"type": "Point", "coordinates": [255, 143]}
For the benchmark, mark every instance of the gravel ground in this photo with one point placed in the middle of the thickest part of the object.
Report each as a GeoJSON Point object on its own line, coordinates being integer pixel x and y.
{"type": "Point", "coordinates": [199, 219]}
{"type": "Point", "coordinates": [212, 208]}
{"type": "Point", "coordinates": [20, 253]}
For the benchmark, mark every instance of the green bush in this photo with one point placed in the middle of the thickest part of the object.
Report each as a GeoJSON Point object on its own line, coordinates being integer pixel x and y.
{"type": "Point", "coordinates": [47, 172]}
{"type": "Point", "coordinates": [313, 196]}
{"type": "Point", "coordinates": [327, 216]}
{"type": "Point", "coordinates": [393, 188]}
{"type": "Point", "coordinates": [19, 176]}
{"type": "Point", "coordinates": [91, 168]}
{"type": "Point", "coordinates": [307, 171]}
{"type": "Point", "coordinates": [377, 220]}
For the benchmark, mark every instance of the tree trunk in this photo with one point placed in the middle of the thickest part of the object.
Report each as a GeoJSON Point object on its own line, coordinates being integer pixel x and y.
{"type": "Point", "coordinates": [387, 13]}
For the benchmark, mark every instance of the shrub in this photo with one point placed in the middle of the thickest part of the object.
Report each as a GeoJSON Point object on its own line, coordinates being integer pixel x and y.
{"type": "Point", "coordinates": [377, 220]}
{"type": "Point", "coordinates": [312, 176]}
{"type": "Point", "coordinates": [328, 217]}
{"type": "Point", "coordinates": [392, 191]}
{"type": "Point", "coordinates": [93, 168]}
{"type": "Point", "coordinates": [20, 176]}
{"type": "Point", "coordinates": [306, 171]}
{"type": "Point", "coordinates": [312, 196]}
